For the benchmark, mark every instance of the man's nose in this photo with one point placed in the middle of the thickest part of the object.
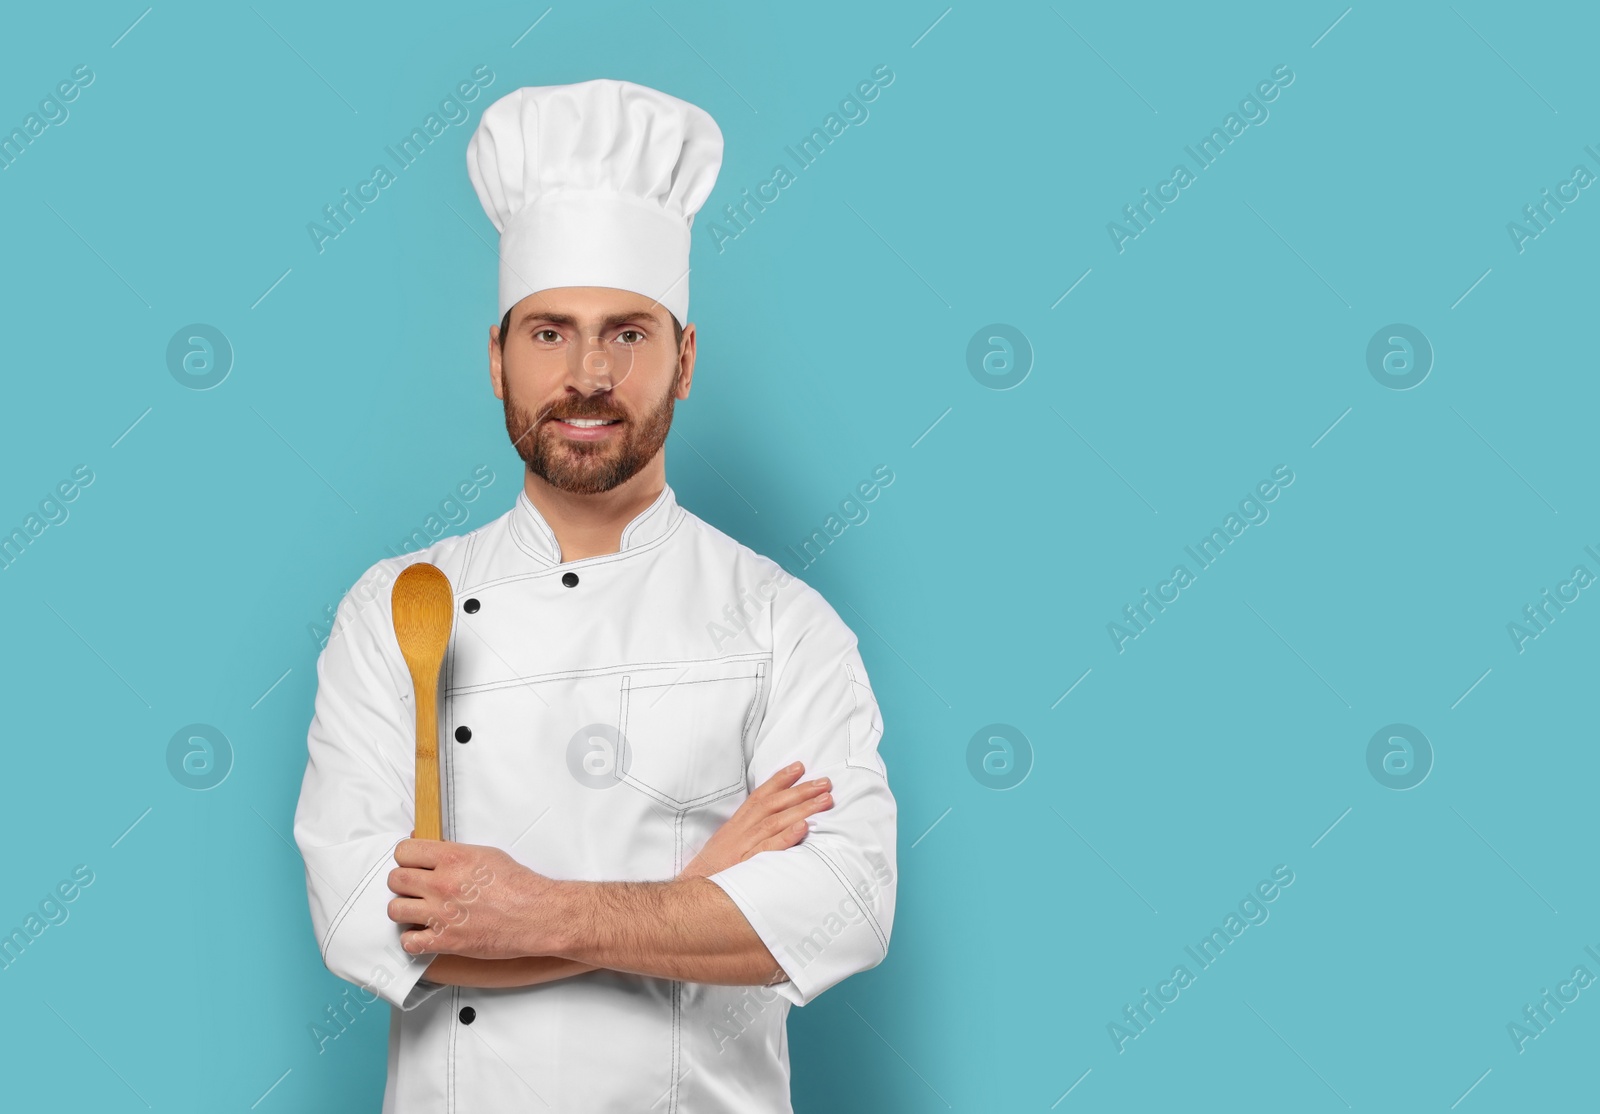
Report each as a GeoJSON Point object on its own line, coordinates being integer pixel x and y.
{"type": "Point", "coordinates": [592, 366]}
{"type": "Point", "coordinates": [596, 365]}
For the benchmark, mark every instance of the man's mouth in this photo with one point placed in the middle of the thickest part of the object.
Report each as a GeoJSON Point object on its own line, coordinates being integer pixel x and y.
{"type": "Point", "coordinates": [586, 429]}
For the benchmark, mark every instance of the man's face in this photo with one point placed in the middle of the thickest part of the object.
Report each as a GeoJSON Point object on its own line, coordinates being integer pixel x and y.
{"type": "Point", "coordinates": [589, 377]}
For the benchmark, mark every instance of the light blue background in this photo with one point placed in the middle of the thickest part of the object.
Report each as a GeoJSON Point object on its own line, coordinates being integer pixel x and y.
{"type": "Point", "coordinates": [1223, 342]}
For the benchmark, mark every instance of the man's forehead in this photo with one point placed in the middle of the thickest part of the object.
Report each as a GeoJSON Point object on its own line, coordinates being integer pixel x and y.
{"type": "Point", "coordinates": [582, 305]}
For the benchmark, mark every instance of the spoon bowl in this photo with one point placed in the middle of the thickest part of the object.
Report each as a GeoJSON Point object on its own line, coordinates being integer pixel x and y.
{"type": "Point", "coordinates": [423, 605]}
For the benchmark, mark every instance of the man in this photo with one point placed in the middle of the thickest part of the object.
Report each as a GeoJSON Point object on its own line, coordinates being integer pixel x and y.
{"type": "Point", "coordinates": [632, 890]}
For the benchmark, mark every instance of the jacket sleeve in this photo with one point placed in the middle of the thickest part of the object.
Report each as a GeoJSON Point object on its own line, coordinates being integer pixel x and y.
{"type": "Point", "coordinates": [825, 906]}
{"type": "Point", "coordinates": [357, 797]}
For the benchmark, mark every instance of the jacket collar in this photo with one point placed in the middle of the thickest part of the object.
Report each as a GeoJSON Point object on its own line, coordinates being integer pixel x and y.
{"type": "Point", "coordinates": [535, 537]}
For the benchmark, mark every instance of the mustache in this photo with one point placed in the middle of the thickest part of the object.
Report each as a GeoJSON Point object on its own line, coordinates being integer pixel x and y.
{"type": "Point", "coordinates": [594, 406]}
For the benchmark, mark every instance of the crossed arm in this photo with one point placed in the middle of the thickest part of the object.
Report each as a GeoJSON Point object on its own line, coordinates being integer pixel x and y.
{"type": "Point", "coordinates": [495, 923]}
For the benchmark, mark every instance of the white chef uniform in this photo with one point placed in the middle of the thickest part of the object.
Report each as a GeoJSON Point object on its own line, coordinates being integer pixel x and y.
{"type": "Point", "coordinates": [599, 719]}
{"type": "Point", "coordinates": [686, 663]}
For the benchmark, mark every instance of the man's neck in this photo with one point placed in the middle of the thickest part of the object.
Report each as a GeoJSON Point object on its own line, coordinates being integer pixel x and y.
{"type": "Point", "coordinates": [592, 525]}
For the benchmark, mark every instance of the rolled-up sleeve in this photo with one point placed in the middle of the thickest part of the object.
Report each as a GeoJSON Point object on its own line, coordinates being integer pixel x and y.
{"type": "Point", "coordinates": [824, 908]}
{"type": "Point", "coordinates": [356, 799]}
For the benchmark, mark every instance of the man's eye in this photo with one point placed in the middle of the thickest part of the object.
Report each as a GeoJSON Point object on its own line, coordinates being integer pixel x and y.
{"type": "Point", "coordinates": [635, 333]}
{"type": "Point", "coordinates": [550, 333]}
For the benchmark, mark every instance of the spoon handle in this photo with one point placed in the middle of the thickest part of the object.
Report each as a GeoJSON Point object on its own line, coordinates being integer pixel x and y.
{"type": "Point", "coordinates": [428, 821]}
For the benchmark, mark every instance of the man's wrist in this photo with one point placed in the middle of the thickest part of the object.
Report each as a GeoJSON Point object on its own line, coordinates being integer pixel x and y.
{"type": "Point", "coordinates": [553, 926]}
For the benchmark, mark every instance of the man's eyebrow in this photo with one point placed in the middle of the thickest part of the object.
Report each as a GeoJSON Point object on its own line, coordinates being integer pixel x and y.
{"type": "Point", "coordinates": [609, 321]}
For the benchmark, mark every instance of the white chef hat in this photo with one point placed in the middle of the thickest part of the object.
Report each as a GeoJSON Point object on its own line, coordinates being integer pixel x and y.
{"type": "Point", "coordinates": [594, 184]}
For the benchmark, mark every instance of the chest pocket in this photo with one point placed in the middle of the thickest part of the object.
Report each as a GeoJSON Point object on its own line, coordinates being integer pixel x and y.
{"type": "Point", "coordinates": [685, 729]}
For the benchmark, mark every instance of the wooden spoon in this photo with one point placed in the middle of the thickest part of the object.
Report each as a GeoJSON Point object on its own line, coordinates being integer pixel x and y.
{"type": "Point", "coordinates": [423, 606]}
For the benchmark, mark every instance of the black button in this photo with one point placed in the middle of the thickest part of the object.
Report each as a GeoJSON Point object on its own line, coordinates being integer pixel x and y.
{"type": "Point", "coordinates": [463, 733]}
{"type": "Point", "coordinates": [467, 1015]}
{"type": "Point", "coordinates": [470, 607]}
{"type": "Point", "coordinates": [570, 579]}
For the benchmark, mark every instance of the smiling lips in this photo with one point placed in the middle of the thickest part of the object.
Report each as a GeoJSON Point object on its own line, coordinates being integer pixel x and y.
{"type": "Point", "coordinates": [586, 429]}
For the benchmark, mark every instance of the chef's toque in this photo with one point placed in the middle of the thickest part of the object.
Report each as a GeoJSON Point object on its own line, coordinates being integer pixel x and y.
{"type": "Point", "coordinates": [594, 184]}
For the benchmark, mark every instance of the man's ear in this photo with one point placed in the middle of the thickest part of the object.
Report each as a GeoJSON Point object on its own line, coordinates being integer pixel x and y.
{"type": "Point", "coordinates": [496, 370]}
{"type": "Point", "coordinates": [685, 363]}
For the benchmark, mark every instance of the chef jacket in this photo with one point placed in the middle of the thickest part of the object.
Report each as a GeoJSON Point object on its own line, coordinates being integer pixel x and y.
{"type": "Point", "coordinates": [599, 719]}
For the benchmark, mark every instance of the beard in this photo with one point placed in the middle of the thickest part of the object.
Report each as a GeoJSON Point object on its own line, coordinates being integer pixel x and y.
{"type": "Point", "coordinates": [587, 467]}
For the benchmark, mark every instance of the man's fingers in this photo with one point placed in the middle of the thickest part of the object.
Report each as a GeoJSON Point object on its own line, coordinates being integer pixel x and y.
{"type": "Point", "coordinates": [763, 817]}
{"type": "Point", "coordinates": [424, 853]}
{"type": "Point", "coordinates": [408, 910]}
{"type": "Point", "coordinates": [777, 798]}
{"type": "Point", "coordinates": [780, 780]}
{"type": "Point", "coordinates": [785, 799]}
{"type": "Point", "coordinates": [409, 881]}
{"type": "Point", "coordinates": [784, 840]}
{"type": "Point", "coordinates": [783, 824]}
{"type": "Point", "coordinates": [418, 941]}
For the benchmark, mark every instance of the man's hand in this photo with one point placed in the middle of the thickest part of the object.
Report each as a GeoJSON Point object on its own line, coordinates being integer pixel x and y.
{"type": "Point", "coordinates": [469, 900]}
{"type": "Point", "coordinates": [772, 818]}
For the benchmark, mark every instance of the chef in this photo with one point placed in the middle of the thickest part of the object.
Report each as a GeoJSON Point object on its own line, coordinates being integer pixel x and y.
{"type": "Point", "coordinates": [666, 819]}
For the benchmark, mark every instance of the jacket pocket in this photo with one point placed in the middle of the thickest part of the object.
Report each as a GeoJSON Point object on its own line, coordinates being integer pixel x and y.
{"type": "Point", "coordinates": [683, 729]}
